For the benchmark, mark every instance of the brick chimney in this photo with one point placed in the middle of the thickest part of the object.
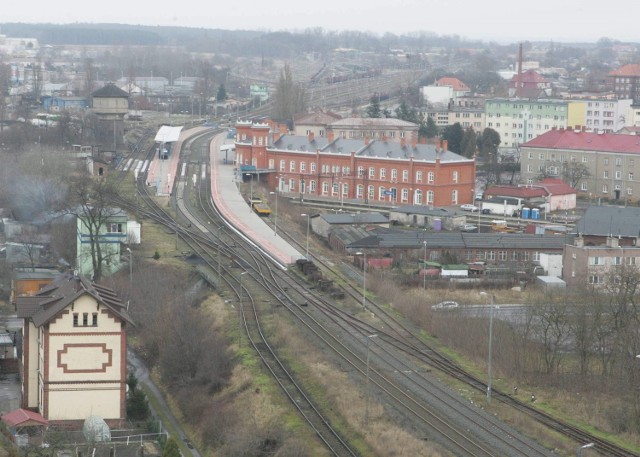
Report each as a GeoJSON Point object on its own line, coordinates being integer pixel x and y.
{"type": "Point", "coordinates": [311, 137]}
{"type": "Point", "coordinates": [330, 136]}
{"type": "Point", "coordinates": [366, 140]}
{"type": "Point", "coordinates": [403, 142]}
{"type": "Point", "coordinates": [414, 141]}
{"type": "Point", "coordinates": [445, 145]}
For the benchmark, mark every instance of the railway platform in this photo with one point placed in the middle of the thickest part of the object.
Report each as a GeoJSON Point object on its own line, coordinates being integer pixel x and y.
{"type": "Point", "coordinates": [237, 211]}
{"type": "Point", "coordinates": [162, 172]}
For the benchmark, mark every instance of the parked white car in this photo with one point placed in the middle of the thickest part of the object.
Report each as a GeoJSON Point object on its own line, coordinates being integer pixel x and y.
{"type": "Point", "coordinates": [468, 228]}
{"type": "Point", "coordinates": [446, 305]}
{"type": "Point", "coordinates": [469, 207]}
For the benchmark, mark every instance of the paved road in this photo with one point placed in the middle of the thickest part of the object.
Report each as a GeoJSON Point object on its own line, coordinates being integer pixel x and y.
{"type": "Point", "coordinates": [142, 374]}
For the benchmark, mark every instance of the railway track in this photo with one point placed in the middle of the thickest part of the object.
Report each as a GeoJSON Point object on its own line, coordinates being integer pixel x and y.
{"type": "Point", "coordinates": [281, 286]}
{"type": "Point", "coordinates": [404, 339]}
{"type": "Point", "coordinates": [291, 293]}
{"type": "Point", "coordinates": [210, 247]}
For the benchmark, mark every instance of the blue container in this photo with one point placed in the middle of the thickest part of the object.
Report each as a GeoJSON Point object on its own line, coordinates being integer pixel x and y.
{"type": "Point", "coordinates": [525, 213]}
{"type": "Point", "coordinates": [437, 225]}
{"type": "Point", "coordinates": [535, 214]}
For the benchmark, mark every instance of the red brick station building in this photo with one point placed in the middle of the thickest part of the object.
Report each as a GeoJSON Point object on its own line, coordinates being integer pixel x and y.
{"type": "Point", "coordinates": [395, 172]}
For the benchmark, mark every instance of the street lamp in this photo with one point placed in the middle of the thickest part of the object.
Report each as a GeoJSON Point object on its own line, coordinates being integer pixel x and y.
{"type": "Point", "coordinates": [366, 407]}
{"type": "Point", "coordinates": [240, 310]}
{"type": "Point", "coordinates": [364, 278]}
{"type": "Point", "coordinates": [308, 223]}
{"type": "Point", "coordinates": [493, 299]}
{"type": "Point", "coordinates": [250, 190]}
{"type": "Point", "coordinates": [586, 446]}
{"type": "Point", "coordinates": [220, 227]}
{"type": "Point", "coordinates": [275, 222]}
{"type": "Point", "coordinates": [424, 273]}
{"type": "Point", "coordinates": [130, 269]}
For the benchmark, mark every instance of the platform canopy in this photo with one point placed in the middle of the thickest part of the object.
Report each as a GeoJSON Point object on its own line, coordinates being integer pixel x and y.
{"type": "Point", "coordinates": [168, 134]}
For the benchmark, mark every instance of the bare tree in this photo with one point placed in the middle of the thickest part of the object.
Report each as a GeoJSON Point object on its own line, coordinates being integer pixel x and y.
{"type": "Point", "coordinates": [289, 96]}
{"type": "Point", "coordinates": [551, 328]}
{"type": "Point", "coordinates": [91, 201]}
{"type": "Point", "coordinates": [574, 172]}
{"type": "Point", "coordinates": [90, 76]}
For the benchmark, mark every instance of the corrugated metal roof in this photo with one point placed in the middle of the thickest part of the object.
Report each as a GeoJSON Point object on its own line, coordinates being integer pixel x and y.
{"type": "Point", "coordinates": [362, 218]}
{"type": "Point", "coordinates": [610, 220]}
{"type": "Point", "coordinates": [168, 134]}
{"type": "Point", "coordinates": [419, 209]}
{"type": "Point", "coordinates": [414, 239]}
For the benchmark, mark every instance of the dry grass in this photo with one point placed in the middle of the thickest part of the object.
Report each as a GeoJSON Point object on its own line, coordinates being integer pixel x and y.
{"type": "Point", "coordinates": [348, 403]}
{"type": "Point", "coordinates": [156, 238]}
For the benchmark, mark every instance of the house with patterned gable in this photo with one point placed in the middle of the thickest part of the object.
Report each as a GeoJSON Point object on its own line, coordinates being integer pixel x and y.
{"type": "Point", "coordinates": [74, 352]}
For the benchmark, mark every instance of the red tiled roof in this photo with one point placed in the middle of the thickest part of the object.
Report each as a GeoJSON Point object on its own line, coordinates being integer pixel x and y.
{"type": "Point", "coordinates": [514, 191]}
{"type": "Point", "coordinates": [630, 69]}
{"type": "Point", "coordinates": [556, 186]}
{"type": "Point", "coordinates": [586, 141]}
{"type": "Point", "coordinates": [548, 186]}
{"type": "Point", "coordinates": [454, 83]}
{"type": "Point", "coordinates": [19, 417]}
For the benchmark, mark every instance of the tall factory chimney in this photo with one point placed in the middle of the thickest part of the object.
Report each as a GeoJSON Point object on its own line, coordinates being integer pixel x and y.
{"type": "Point", "coordinates": [519, 79]}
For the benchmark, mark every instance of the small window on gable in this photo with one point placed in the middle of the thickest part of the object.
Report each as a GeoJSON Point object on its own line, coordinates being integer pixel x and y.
{"type": "Point", "coordinates": [94, 319]}
{"type": "Point", "coordinates": [75, 319]}
{"type": "Point", "coordinates": [85, 319]}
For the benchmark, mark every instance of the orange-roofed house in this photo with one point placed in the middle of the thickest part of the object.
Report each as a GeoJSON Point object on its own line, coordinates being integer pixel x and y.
{"type": "Point", "coordinates": [460, 89]}
{"type": "Point", "coordinates": [625, 82]}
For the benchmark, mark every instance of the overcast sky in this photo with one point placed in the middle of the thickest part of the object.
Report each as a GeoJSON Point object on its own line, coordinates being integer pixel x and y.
{"type": "Point", "coordinates": [499, 20]}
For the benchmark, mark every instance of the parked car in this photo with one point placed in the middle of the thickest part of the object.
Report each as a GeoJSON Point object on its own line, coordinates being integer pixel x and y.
{"type": "Point", "coordinates": [485, 211]}
{"type": "Point", "coordinates": [468, 228]}
{"type": "Point", "coordinates": [446, 305]}
{"type": "Point", "coordinates": [469, 207]}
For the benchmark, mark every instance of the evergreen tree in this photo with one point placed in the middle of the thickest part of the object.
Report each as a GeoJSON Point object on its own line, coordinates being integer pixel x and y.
{"type": "Point", "coordinates": [171, 448]}
{"type": "Point", "coordinates": [222, 93]}
{"type": "Point", "coordinates": [373, 110]}
{"type": "Point", "coordinates": [469, 143]}
{"type": "Point", "coordinates": [137, 406]}
{"type": "Point", "coordinates": [453, 134]}
{"type": "Point", "coordinates": [406, 113]}
{"type": "Point", "coordinates": [488, 142]}
{"type": "Point", "coordinates": [428, 128]}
